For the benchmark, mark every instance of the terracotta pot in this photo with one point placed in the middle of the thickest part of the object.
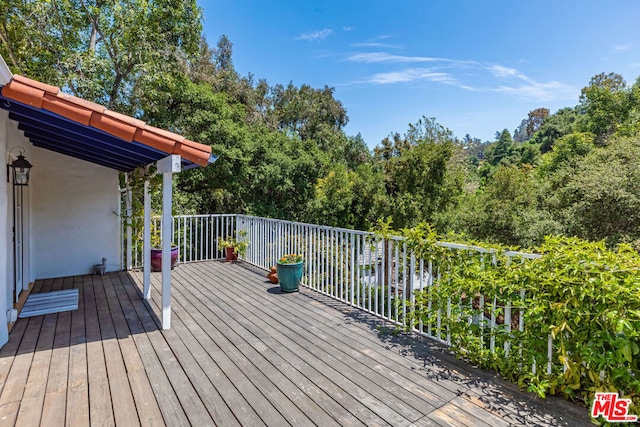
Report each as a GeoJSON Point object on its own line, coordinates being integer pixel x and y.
{"type": "Point", "coordinates": [230, 256]}
{"type": "Point", "coordinates": [273, 277]}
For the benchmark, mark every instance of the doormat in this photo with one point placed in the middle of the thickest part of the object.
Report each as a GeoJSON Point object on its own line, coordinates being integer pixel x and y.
{"type": "Point", "coordinates": [50, 302]}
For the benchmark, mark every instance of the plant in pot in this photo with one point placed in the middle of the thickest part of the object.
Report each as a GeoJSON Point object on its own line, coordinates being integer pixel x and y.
{"type": "Point", "coordinates": [156, 252]}
{"type": "Point", "coordinates": [289, 269]}
{"type": "Point", "coordinates": [234, 246]}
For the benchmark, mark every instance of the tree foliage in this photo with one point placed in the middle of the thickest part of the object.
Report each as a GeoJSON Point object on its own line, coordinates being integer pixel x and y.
{"type": "Point", "coordinates": [607, 103]}
{"type": "Point", "coordinates": [283, 151]}
{"type": "Point", "coordinates": [107, 51]}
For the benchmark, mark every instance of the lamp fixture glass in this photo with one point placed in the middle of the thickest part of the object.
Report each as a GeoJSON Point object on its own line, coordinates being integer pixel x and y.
{"type": "Point", "coordinates": [21, 168]}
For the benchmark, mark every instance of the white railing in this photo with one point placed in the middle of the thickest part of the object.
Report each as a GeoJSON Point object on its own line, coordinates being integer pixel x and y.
{"type": "Point", "coordinates": [379, 276]}
{"type": "Point", "coordinates": [196, 236]}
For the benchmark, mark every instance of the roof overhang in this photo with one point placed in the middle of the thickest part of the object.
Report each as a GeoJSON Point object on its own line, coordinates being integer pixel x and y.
{"type": "Point", "coordinates": [78, 128]}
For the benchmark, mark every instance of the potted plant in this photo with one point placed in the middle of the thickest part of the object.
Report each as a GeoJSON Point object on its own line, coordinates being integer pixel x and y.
{"type": "Point", "coordinates": [289, 269]}
{"type": "Point", "coordinates": [156, 252]}
{"type": "Point", "coordinates": [234, 246]}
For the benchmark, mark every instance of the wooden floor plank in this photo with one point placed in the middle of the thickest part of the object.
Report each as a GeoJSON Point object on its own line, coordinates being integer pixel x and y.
{"type": "Point", "coordinates": [350, 352]}
{"type": "Point", "coordinates": [54, 406]}
{"type": "Point", "coordinates": [202, 386]}
{"type": "Point", "coordinates": [184, 310]}
{"type": "Point", "coordinates": [9, 413]}
{"type": "Point", "coordinates": [242, 409]}
{"type": "Point", "coordinates": [77, 391]}
{"type": "Point", "coordinates": [453, 414]}
{"type": "Point", "coordinates": [231, 361]}
{"type": "Point", "coordinates": [239, 353]}
{"type": "Point", "coordinates": [13, 389]}
{"type": "Point", "coordinates": [336, 384]}
{"type": "Point", "coordinates": [8, 352]}
{"type": "Point", "coordinates": [58, 284]}
{"type": "Point", "coordinates": [387, 394]}
{"type": "Point", "coordinates": [31, 405]}
{"type": "Point", "coordinates": [373, 349]}
{"type": "Point", "coordinates": [143, 326]}
{"type": "Point", "coordinates": [197, 310]}
{"type": "Point", "coordinates": [476, 412]}
{"type": "Point", "coordinates": [100, 409]}
{"type": "Point", "coordinates": [145, 402]}
{"type": "Point", "coordinates": [122, 401]}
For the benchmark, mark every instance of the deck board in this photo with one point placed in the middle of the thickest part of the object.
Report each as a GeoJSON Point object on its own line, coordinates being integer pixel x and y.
{"type": "Point", "coordinates": [124, 410]}
{"type": "Point", "coordinates": [34, 391]}
{"type": "Point", "coordinates": [144, 400]}
{"type": "Point", "coordinates": [275, 383]}
{"type": "Point", "coordinates": [306, 345]}
{"type": "Point", "coordinates": [143, 326]}
{"type": "Point", "coordinates": [240, 353]}
{"type": "Point", "coordinates": [77, 387]}
{"type": "Point", "coordinates": [100, 409]}
{"type": "Point", "coordinates": [292, 359]}
{"type": "Point", "coordinates": [351, 348]}
{"type": "Point", "coordinates": [56, 394]}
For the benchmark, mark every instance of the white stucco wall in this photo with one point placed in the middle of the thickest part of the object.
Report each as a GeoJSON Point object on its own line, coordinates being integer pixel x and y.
{"type": "Point", "coordinates": [16, 144]}
{"type": "Point", "coordinates": [74, 221]}
{"type": "Point", "coordinates": [6, 283]}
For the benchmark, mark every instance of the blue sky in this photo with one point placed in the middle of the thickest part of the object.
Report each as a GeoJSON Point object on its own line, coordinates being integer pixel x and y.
{"type": "Point", "coordinates": [476, 66]}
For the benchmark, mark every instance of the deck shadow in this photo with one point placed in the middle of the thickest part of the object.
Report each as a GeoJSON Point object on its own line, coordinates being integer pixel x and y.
{"type": "Point", "coordinates": [439, 364]}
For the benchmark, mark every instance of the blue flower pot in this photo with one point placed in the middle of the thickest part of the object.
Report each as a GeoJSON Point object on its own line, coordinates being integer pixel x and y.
{"type": "Point", "coordinates": [290, 276]}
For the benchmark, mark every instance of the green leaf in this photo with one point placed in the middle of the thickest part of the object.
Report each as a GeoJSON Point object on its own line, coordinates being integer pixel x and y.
{"type": "Point", "coordinates": [626, 352]}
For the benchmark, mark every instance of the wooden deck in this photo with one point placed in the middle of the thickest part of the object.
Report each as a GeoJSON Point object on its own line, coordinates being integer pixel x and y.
{"type": "Point", "coordinates": [240, 353]}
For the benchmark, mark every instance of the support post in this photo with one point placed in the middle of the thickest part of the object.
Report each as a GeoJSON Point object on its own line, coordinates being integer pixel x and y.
{"type": "Point", "coordinates": [167, 167]}
{"type": "Point", "coordinates": [167, 181]}
{"type": "Point", "coordinates": [129, 203]}
{"type": "Point", "coordinates": [146, 257]}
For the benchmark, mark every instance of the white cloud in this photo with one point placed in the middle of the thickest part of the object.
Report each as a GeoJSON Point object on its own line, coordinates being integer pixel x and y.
{"type": "Point", "coordinates": [540, 91]}
{"type": "Point", "coordinates": [316, 35]}
{"type": "Point", "coordinates": [373, 57]}
{"type": "Point", "coordinates": [623, 47]}
{"type": "Point", "coordinates": [377, 45]}
{"type": "Point", "coordinates": [513, 82]}
{"type": "Point", "coordinates": [505, 72]}
{"type": "Point", "coordinates": [347, 29]}
{"type": "Point", "coordinates": [467, 75]}
{"type": "Point", "coordinates": [411, 74]}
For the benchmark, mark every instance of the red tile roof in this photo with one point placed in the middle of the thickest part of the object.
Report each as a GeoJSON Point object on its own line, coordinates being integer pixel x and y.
{"type": "Point", "coordinates": [47, 97]}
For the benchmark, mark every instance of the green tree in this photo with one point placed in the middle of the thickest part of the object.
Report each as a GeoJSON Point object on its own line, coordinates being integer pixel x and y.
{"type": "Point", "coordinates": [563, 122]}
{"type": "Point", "coordinates": [598, 197]}
{"type": "Point", "coordinates": [420, 177]}
{"type": "Point", "coordinates": [607, 103]}
{"type": "Point", "coordinates": [108, 51]}
{"type": "Point", "coordinates": [502, 151]}
{"type": "Point", "coordinates": [308, 113]}
{"type": "Point", "coordinates": [567, 151]}
{"type": "Point", "coordinates": [506, 210]}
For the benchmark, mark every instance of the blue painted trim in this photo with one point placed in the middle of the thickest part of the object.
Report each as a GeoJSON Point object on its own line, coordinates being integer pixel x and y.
{"type": "Point", "coordinates": [56, 133]}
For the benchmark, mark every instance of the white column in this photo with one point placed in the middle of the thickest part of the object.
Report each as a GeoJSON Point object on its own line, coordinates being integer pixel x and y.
{"type": "Point", "coordinates": [129, 203]}
{"type": "Point", "coordinates": [167, 167]}
{"type": "Point", "coordinates": [167, 181]}
{"type": "Point", "coordinates": [146, 257]}
{"type": "Point", "coordinates": [6, 266]}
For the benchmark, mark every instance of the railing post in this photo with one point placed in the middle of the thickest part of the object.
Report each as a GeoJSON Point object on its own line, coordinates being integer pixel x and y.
{"type": "Point", "coordinates": [146, 245]}
{"type": "Point", "coordinates": [129, 207]}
